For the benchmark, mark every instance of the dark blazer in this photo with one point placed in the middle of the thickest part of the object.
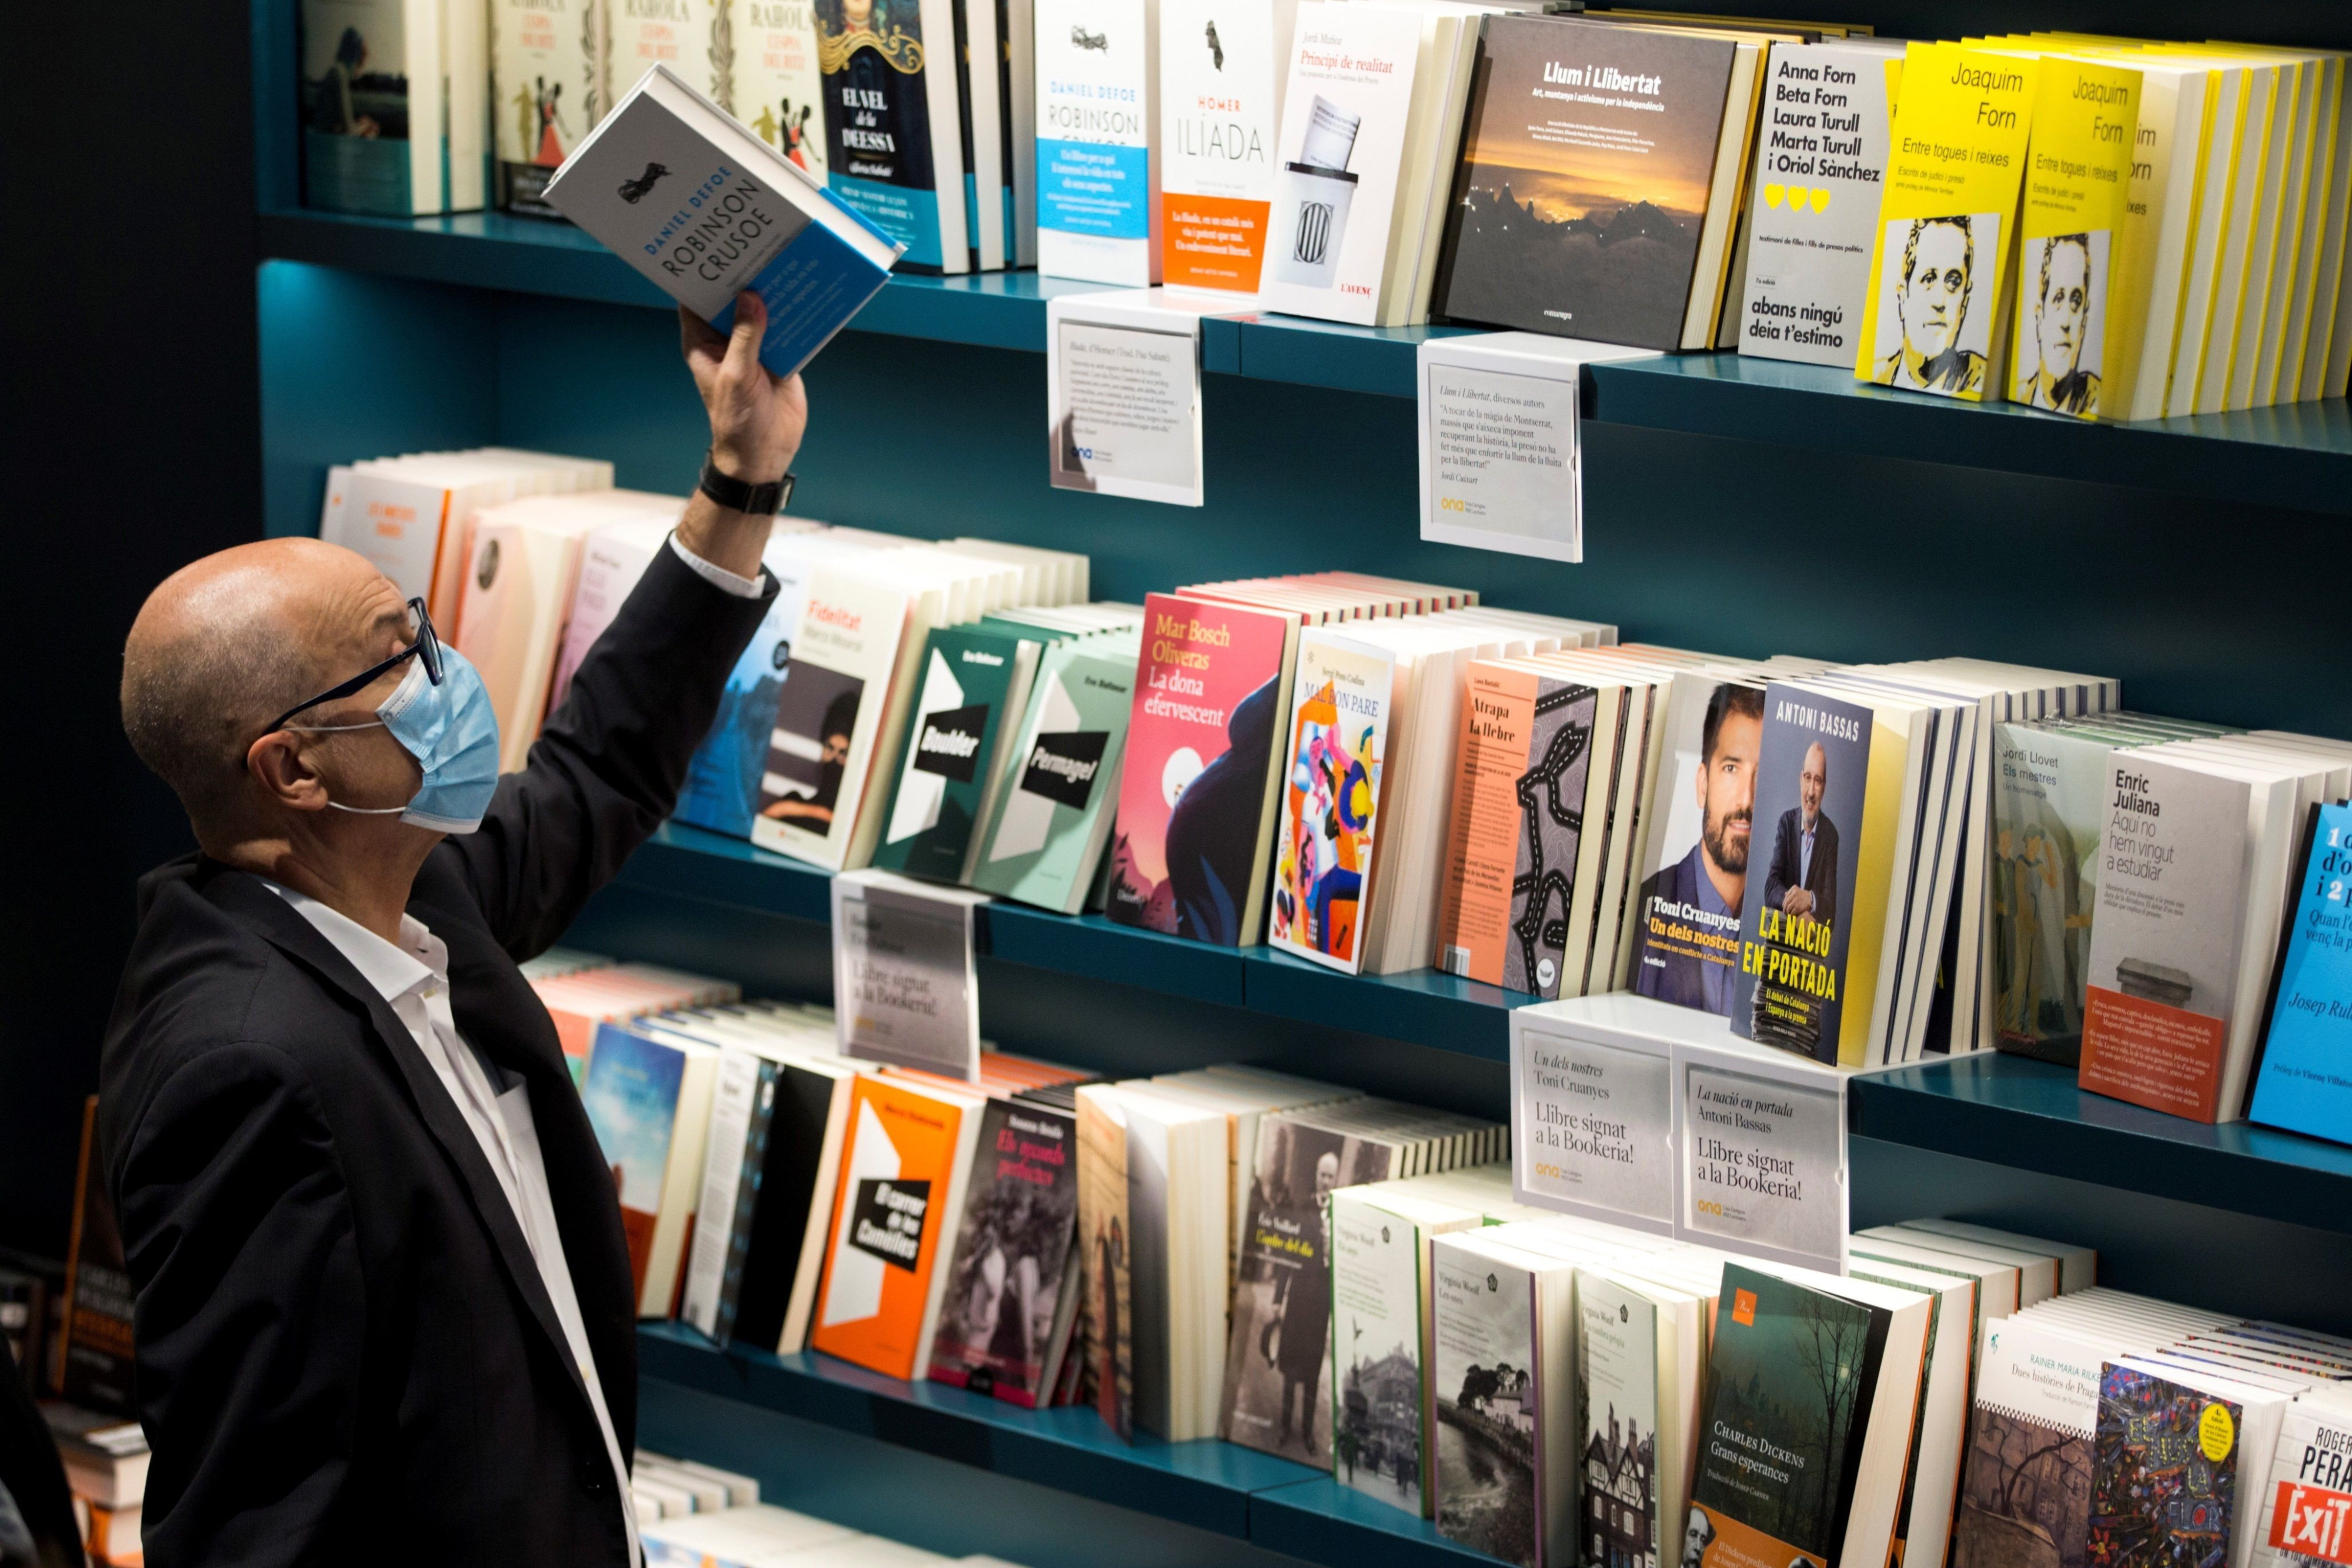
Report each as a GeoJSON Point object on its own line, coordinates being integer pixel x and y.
{"type": "Point", "coordinates": [345, 1352]}
{"type": "Point", "coordinates": [1676, 977]}
{"type": "Point", "coordinates": [1789, 854]}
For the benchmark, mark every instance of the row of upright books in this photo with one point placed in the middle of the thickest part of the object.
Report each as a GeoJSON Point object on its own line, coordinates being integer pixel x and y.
{"type": "Point", "coordinates": [2096, 226]}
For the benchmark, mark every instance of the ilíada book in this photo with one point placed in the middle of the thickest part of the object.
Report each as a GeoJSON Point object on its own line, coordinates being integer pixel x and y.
{"type": "Point", "coordinates": [702, 209]}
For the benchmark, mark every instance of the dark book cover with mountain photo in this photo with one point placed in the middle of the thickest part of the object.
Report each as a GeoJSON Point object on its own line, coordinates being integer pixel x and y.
{"type": "Point", "coordinates": [1586, 161]}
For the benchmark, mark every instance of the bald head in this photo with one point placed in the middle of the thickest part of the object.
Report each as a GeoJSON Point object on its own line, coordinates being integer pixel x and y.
{"type": "Point", "coordinates": [226, 644]}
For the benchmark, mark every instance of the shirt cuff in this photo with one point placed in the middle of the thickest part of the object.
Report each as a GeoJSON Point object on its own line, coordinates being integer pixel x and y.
{"type": "Point", "coordinates": [719, 577]}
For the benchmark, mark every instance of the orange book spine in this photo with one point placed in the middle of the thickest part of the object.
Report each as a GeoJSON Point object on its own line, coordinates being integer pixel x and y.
{"type": "Point", "coordinates": [1483, 844]}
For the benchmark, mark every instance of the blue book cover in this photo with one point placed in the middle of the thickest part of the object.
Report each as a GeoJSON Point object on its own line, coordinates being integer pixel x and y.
{"type": "Point", "coordinates": [2304, 1082]}
{"type": "Point", "coordinates": [702, 208]}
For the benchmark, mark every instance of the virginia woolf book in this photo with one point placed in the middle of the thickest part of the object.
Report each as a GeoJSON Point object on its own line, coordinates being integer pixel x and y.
{"type": "Point", "coordinates": [703, 209]}
{"type": "Point", "coordinates": [1222, 69]}
{"type": "Point", "coordinates": [1936, 318]}
{"type": "Point", "coordinates": [1813, 209]}
{"type": "Point", "coordinates": [1199, 787]}
{"type": "Point", "coordinates": [1377, 1399]}
{"type": "Point", "coordinates": [1097, 134]}
{"type": "Point", "coordinates": [1584, 203]}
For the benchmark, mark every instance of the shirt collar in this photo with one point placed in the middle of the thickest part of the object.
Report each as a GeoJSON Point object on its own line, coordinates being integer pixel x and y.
{"type": "Point", "coordinates": [394, 971]}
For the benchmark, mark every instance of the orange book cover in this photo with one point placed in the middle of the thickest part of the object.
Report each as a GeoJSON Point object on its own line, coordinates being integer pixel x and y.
{"type": "Point", "coordinates": [1482, 841]}
{"type": "Point", "coordinates": [902, 1166]}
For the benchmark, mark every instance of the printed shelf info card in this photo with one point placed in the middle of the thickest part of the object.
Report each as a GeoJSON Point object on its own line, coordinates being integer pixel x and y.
{"type": "Point", "coordinates": [903, 986]}
{"type": "Point", "coordinates": [1123, 395]}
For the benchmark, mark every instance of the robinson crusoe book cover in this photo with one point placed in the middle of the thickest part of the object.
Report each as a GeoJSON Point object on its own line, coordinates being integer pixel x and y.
{"type": "Point", "coordinates": [1584, 178]}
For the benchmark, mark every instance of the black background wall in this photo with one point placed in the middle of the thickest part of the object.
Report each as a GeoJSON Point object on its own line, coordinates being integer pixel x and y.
{"type": "Point", "coordinates": [131, 445]}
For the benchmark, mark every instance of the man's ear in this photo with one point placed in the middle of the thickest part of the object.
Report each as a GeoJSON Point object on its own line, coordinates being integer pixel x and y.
{"type": "Point", "coordinates": [277, 766]}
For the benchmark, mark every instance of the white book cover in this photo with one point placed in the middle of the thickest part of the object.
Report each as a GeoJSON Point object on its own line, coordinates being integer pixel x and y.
{"type": "Point", "coordinates": [1376, 1393]}
{"type": "Point", "coordinates": [1810, 217]}
{"type": "Point", "coordinates": [735, 1095]}
{"type": "Point", "coordinates": [398, 524]}
{"type": "Point", "coordinates": [1221, 71]}
{"type": "Point", "coordinates": [1617, 1450]}
{"type": "Point", "coordinates": [521, 571]}
{"type": "Point", "coordinates": [1347, 103]}
{"type": "Point", "coordinates": [1096, 132]}
{"type": "Point", "coordinates": [689, 36]}
{"type": "Point", "coordinates": [612, 558]}
{"type": "Point", "coordinates": [374, 96]}
{"type": "Point", "coordinates": [821, 751]}
{"type": "Point", "coordinates": [542, 70]}
{"type": "Point", "coordinates": [2302, 1513]}
{"type": "Point", "coordinates": [779, 92]}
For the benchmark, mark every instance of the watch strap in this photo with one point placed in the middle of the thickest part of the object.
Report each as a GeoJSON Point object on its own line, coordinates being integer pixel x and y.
{"type": "Point", "coordinates": [740, 496]}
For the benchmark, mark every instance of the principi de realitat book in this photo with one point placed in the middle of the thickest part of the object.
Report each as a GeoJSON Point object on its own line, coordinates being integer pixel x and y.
{"type": "Point", "coordinates": [1584, 196]}
{"type": "Point", "coordinates": [1200, 786]}
{"type": "Point", "coordinates": [703, 209]}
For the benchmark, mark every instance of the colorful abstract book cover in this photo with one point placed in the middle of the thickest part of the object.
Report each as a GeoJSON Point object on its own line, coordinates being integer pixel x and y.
{"type": "Point", "coordinates": [1338, 734]}
{"type": "Point", "coordinates": [1196, 793]}
{"type": "Point", "coordinates": [2164, 1475]}
{"type": "Point", "coordinates": [1812, 779]}
{"type": "Point", "coordinates": [631, 1097]}
{"type": "Point", "coordinates": [954, 733]}
{"type": "Point", "coordinates": [2304, 1080]}
{"type": "Point", "coordinates": [2025, 1489]}
{"type": "Point", "coordinates": [1483, 1373]}
{"type": "Point", "coordinates": [1005, 1282]}
{"type": "Point", "coordinates": [1788, 1393]}
{"type": "Point", "coordinates": [1279, 1358]}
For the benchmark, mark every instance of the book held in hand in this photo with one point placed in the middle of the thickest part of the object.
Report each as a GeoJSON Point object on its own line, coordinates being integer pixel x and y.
{"type": "Point", "coordinates": [703, 208]}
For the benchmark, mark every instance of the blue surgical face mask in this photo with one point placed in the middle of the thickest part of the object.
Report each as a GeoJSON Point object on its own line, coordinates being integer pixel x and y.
{"type": "Point", "coordinates": [453, 733]}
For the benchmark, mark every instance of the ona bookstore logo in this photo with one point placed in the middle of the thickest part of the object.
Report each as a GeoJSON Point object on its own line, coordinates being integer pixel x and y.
{"type": "Point", "coordinates": [637, 190]}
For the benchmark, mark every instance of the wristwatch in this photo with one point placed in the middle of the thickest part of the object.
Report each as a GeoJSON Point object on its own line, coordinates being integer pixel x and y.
{"type": "Point", "coordinates": [736, 496]}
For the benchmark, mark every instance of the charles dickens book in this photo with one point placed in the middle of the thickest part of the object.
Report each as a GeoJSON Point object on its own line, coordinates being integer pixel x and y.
{"type": "Point", "coordinates": [1584, 201]}
{"type": "Point", "coordinates": [393, 105]}
{"type": "Point", "coordinates": [1814, 208]}
{"type": "Point", "coordinates": [1698, 844]}
{"type": "Point", "coordinates": [2025, 1487]}
{"type": "Point", "coordinates": [1046, 834]}
{"type": "Point", "coordinates": [703, 209]}
{"type": "Point", "coordinates": [2163, 1474]}
{"type": "Point", "coordinates": [1013, 1285]}
{"type": "Point", "coordinates": [1199, 787]}
{"type": "Point", "coordinates": [1098, 165]}
{"type": "Point", "coordinates": [829, 717]}
{"type": "Point", "coordinates": [1337, 736]}
{"type": "Point", "coordinates": [2304, 1080]}
{"type": "Point", "coordinates": [778, 91]}
{"type": "Point", "coordinates": [98, 1295]}
{"type": "Point", "coordinates": [547, 88]}
{"type": "Point", "coordinates": [1800, 1383]}
{"type": "Point", "coordinates": [1805, 845]}
{"type": "Point", "coordinates": [1221, 71]}
{"type": "Point", "coordinates": [904, 1164]}
{"type": "Point", "coordinates": [2070, 235]}
{"type": "Point", "coordinates": [1519, 796]}
{"type": "Point", "coordinates": [1376, 1395]}
{"type": "Point", "coordinates": [1936, 318]}
{"type": "Point", "coordinates": [2167, 990]}
{"type": "Point", "coordinates": [893, 147]}
{"type": "Point", "coordinates": [723, 789]}
{"type": "Point", "coordinates": [975, 683]}
{"type": "Point", "coordinates": [1276, 1397]}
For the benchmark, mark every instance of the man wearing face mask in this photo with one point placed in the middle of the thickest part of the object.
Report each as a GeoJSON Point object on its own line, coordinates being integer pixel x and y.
{"type": "Point", "coordinates": [383, 1300]}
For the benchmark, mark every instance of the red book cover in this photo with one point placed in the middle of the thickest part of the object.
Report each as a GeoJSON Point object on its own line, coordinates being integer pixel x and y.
{"type": "Point", "coordinates": [1196, 797]}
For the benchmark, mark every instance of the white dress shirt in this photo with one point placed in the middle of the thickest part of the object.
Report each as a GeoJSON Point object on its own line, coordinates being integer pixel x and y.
{"type": "Point", "coordinates": [413, 977]}
{"type": "Point", "coordinates": [719, 577]}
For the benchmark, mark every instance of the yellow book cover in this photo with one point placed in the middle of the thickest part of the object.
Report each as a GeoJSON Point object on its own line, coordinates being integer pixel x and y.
{"type": "Point", "coordinates": [1934, 314]}
{"type": "Point", "coordinates": [2323, 237]}
{"type": "Point", "coordinates": [2256, 123]}
{"type": "Point", "coordinates": [2071, 231]}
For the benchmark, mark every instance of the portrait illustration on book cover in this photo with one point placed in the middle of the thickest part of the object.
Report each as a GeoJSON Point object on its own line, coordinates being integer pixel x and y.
{"type": "Point", "coordinates": [2059, 357]}
{"type": "Point", "coordinates": [1934, 333]}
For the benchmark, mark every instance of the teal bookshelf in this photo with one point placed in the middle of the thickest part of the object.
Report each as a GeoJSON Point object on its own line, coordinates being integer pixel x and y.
{"type": "Point", "coordinates": [1734, 504]}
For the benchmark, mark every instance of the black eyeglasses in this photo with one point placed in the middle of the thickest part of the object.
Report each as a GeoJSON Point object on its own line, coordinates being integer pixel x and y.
{"type": "Point", "coordinates": [426, 649]}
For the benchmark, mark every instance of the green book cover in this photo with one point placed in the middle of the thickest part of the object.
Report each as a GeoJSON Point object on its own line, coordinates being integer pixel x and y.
{"type": "Point", "coordinates": [955, 732]}
{"type": "Point", "coordinates": [1788, 1393]}
{"type": "Point", "coordinates": [1046, 830]}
